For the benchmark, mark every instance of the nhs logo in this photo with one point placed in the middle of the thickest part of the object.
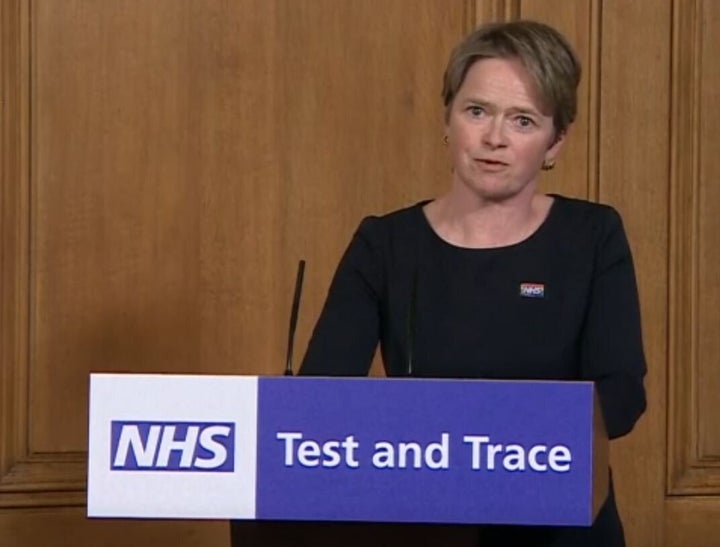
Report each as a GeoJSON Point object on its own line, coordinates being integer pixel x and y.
{"type": "Point", "coordinates": [172, 446]}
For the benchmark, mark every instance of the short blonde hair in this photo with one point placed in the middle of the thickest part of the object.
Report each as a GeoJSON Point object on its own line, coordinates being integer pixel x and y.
{"type": "Point", "coordinates": [545, 53]}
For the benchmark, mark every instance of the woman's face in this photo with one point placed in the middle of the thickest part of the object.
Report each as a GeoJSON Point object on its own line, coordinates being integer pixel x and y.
{"type": "Point", "coordinates": [498, 134]}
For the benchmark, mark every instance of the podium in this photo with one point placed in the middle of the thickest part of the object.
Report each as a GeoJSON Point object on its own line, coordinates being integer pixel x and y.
{"type": "Point", "coordinates": [345, 450]}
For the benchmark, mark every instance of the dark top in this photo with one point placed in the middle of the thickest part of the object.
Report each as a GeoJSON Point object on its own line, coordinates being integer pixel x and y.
{"type": "Point", "coordinates": [561, 304]}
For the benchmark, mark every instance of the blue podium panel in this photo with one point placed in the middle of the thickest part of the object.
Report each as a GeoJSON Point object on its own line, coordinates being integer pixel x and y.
{"type": "Point", "coordinates": [411, 450]}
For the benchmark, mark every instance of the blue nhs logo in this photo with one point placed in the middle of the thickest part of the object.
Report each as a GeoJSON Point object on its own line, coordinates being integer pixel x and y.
{"type": "Point", "coordinates": [172, 446]}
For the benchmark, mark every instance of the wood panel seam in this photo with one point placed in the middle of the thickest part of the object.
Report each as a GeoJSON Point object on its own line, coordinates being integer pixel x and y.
{"type": "Point", "coordinates": [594, 102]}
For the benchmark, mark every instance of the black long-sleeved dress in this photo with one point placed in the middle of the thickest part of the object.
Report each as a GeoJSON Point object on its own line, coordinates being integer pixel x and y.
{"type": "Point", "coordinates": [561, 304]}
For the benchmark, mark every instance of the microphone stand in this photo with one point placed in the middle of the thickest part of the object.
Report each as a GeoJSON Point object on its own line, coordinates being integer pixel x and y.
{"type": "Point", "coordinates": [294, 317]}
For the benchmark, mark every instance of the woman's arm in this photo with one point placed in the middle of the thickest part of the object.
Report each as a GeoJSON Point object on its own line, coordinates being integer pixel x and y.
{"type": "Point", "coordinates": [346, 335]}
{"type": "Point", "coordinates": [611, 351]}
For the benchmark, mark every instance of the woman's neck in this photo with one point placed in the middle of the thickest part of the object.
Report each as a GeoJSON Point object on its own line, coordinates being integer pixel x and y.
{"type": "Point", "coordinates": [484, 223]}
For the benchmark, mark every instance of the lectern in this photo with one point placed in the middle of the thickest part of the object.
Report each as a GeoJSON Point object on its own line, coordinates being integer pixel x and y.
{"type": "Point", "coordinates": [345, 449]}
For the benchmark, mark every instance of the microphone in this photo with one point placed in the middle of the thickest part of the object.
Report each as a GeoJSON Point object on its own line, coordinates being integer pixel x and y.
{"type": "Point", "coordinates": [411, 324]}
{"type": "Point", "coordinates": [294, 317]}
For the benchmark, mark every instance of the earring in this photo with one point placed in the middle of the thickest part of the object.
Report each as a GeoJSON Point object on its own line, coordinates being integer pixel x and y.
{"type": "Point", "coordinates": [446, 140]}
{"type": "Point", "coordinates": [548, 165]}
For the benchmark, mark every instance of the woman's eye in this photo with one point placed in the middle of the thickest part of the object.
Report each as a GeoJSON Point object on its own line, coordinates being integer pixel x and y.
{"type": "Point", "coordinates": [524, 121]}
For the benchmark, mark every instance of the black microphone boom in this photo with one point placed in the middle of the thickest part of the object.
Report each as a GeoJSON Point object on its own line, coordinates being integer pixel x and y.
{"type": "Point", "coordinates": [411, 326]}
{"type": "Point", "coordinates": [294, 317]}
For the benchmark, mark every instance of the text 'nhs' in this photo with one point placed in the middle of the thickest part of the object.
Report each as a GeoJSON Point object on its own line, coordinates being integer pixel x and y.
{"type": "Point", "coordinates": [172, 446]}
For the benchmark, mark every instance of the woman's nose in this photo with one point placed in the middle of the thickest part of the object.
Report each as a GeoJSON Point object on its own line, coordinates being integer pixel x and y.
{"type": "Point", "coordinates": [494, 136]}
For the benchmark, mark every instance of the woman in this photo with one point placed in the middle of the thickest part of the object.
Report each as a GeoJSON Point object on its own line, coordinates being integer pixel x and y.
{"type": "Point", "coordinates": [494, 279]}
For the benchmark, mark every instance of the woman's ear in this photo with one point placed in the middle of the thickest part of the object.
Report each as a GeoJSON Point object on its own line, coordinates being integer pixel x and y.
{"type": "Point", "coordinates": [555, 147]}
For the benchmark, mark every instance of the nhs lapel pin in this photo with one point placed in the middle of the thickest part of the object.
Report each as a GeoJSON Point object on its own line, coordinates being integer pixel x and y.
{"type": "Point", "coordinates": [532, 290]}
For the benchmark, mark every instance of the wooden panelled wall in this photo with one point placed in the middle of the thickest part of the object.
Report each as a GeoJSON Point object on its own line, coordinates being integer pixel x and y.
{"type": "Point", "coordinates": [165, 165]}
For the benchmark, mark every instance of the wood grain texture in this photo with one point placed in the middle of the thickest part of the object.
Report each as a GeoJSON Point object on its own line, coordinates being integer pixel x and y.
{"type": "Point", "coordinates": [633, 174]}
{"type": "Point", "coordinates": [488, 11]}
{"type": "Point", "coordinates": [708, 280]}
{"type": "Point", "coordinates": [16, 466]}
{"type": "Point", "coordinates": [693, 436]}
{"type": "Point", "coordinates": [692, 520]}
{"type": "Point", "coordinates": [69, 527]}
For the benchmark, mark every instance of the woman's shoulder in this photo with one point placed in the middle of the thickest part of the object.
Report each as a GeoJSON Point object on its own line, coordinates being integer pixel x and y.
{"type": "Point", "coordinates": [399, 221]}
{"type": "Point", "coordinates": [583, 207]}
{"type": "Point", "coordinates": [582, 215]}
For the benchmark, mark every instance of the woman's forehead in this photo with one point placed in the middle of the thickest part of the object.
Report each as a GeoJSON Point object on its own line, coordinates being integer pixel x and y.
{"type": "Point", "coordinates": [504, 83]}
